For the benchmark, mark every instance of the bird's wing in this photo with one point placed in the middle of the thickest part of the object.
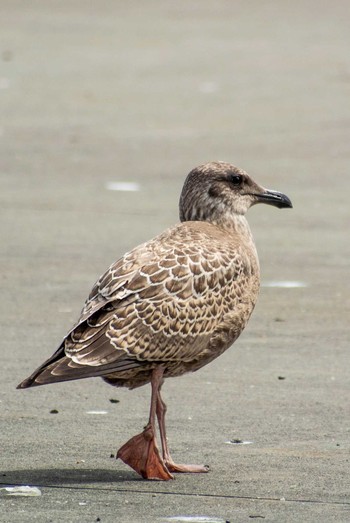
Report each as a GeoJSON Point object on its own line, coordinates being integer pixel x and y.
{"type": "Point", "coordinates": [161, 302]}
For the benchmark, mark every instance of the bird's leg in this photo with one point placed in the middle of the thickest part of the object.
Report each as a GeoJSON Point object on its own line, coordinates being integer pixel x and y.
{"type": "Point", "coordinates": [171, 466]}
{"type": "Point", "coordinates": [141, 452]}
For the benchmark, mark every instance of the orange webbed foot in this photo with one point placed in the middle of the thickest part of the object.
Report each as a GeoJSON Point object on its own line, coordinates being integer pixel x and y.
{"type": "Point", "coordinates": [141, 453]}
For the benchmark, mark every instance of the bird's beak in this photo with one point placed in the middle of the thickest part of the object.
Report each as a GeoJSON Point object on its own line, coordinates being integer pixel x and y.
{"type": "Point", "coordinates": [275, 198]}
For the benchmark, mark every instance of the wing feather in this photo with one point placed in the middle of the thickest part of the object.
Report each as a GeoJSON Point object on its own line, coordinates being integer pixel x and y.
{"type": "Point", "coordinates": [164, 301]}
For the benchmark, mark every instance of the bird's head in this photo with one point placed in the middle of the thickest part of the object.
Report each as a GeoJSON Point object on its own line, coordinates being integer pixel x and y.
{"type": "Point", "coordinates": [217, 190]}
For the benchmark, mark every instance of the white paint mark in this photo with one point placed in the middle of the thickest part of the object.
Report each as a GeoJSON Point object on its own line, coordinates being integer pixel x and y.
{"type": "Point", "coordinates": [285, 284]}
{"type": "Point", "coordinates": [24, 490]}
{"type": "Point", "coordinates": [122, 186]}
{"type": "Point", "coordinates": [238, 442]}
{"type": "Point", "coordinates": [4, 83]}
{"type": "Point", "coordinates": [97, 412]}
{"type": "Point", "coordinates": [208, 87]}
{"type": "Point", "coordinates": [195, 519]}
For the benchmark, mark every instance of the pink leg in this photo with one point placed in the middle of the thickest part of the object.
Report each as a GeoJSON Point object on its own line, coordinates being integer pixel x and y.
{"type": "Point", "coordinates": [141, 452]}
{"type": "Point", "coordinates": [170, 465]}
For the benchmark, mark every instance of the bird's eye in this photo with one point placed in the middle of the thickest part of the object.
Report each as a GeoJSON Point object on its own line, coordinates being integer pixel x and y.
{"type": "Point", "coordinates": [236, 179]}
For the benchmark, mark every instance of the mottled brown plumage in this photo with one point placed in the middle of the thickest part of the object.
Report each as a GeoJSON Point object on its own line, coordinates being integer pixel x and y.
{"type": "Point", "coordinates": [171, 305]}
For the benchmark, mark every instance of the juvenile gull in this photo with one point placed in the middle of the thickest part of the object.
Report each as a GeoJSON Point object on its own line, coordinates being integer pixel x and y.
{"type": "Point", "coordinates": [171, 305]}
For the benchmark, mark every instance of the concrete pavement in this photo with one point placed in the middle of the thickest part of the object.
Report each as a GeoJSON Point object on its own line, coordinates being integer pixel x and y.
{"type": "Point", "coordinates": [116, 92]}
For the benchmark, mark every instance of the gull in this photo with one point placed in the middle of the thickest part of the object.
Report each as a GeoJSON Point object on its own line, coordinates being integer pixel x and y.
{"type": "Point", "coordinates": [170, 305]}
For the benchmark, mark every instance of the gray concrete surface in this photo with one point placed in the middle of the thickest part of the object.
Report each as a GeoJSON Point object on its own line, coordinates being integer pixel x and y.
{"type": "Point", "coordinates": [98, 92]}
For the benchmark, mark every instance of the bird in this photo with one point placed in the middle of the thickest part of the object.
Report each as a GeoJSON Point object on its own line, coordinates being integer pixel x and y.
{"type": "Point", "coordinates": [170, 305]}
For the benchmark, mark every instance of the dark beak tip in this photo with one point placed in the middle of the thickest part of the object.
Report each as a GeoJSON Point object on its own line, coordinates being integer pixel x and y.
{"type": "Point", "coordinates": [287, 204]}
{"type": "Point", "coordinates": [277, 199]}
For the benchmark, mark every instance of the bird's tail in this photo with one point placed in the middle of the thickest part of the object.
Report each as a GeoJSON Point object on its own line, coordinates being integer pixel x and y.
{"type": "Point", "coordinates": [62, 368]}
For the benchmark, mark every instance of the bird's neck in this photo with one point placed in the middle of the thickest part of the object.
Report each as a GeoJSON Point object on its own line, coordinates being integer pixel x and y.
{"type": "Point", "coordinates": [229, 222]}
{"type": "Point", "coordinates": [235, 223]}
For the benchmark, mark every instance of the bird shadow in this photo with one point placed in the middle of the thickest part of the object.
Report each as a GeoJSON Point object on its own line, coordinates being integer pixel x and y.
{"type": "Point", "coordinates": [64, 477]}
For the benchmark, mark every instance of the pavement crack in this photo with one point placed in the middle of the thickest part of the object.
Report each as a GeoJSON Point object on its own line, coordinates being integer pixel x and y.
{"type": "Point", "coordinates": [193, 494]}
